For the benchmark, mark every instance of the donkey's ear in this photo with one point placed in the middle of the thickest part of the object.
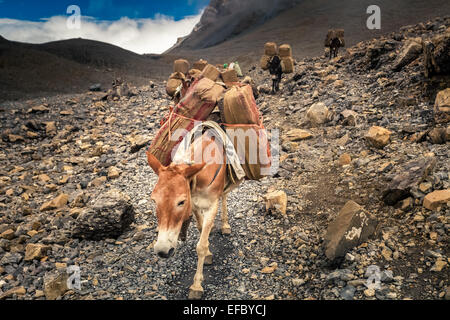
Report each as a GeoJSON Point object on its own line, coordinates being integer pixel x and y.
{"type": "Point", "coordinates": [191, 171]}
{"type": "Point", "coordinates": [154, 163]}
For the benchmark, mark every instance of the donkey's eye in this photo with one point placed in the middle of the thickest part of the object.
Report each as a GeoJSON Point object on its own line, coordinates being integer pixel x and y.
{"type": "Point", "coordinates": [181, 203]}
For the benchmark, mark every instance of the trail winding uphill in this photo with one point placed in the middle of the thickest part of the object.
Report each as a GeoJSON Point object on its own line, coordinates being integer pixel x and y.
{"type": "Point", "coordinates": [76, 146]}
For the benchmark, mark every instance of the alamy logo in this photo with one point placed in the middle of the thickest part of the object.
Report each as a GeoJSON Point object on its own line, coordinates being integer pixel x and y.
{"type": "Point", "coordinates": [373, 275]}
{"type": "Point", "coordinates": [74, 280]}
{"type": "Point", "coordinates": [250, 146]}
{"type": "Point", "coordinates": [374, 20]}
{"type": "Point", "coordinates": [74, 21]}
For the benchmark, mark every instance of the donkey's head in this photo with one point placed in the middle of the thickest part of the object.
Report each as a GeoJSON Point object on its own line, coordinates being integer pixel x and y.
{"type": "Point", "coordinates": [172, 196]}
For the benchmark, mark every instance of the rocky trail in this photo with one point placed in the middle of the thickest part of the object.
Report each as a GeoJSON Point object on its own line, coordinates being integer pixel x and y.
{"type": "Point", "coordinates": [75, 189]}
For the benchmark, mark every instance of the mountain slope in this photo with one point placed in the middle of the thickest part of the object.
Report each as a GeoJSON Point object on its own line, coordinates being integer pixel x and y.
{"type": "Point", "coordinates": [223, 19]}
{"type": "Point", "coordinates": [71, 66]}
{"type": "Point", "coordinates": [304, 26]}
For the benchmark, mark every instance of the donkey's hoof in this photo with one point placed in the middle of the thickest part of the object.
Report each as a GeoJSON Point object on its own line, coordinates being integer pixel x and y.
{"type": "Point", "coordinates": [226, 230]}
{"type": "Point", "coordinates": [209, 259]}
{"type": "Point", "coordinates": [195, 293]}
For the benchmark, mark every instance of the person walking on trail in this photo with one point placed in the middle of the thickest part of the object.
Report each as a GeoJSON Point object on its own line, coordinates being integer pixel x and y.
{"type": "Point", "coordinates": [276, 71]}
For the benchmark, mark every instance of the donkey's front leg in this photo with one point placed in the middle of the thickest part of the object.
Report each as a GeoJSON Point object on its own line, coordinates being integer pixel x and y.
{"type": "Point", "coordinates": [226, 229]}
{"type": "Point", "coordinates": [196, 290]}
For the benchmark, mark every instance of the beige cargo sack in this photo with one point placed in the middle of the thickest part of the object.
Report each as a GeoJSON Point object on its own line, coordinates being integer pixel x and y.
{"type": "Point", "coordinates": [209, 91]}
{"type": "Point", "coordinates": [200, 64]}
{"type": "Point", "coordinates": [270, 49]}
{"type": "Point", "coordinates": [287, 64]}
{"type": "Point", "coordinates": [211, 72]}
{"type": "Point", "coordinates": [197, 104]}
{"type": "Point", "coordinates": [285, 51]}
{"type": "Point", "coordinates": [195, 73]}
{"type": "Point", "coordinates": [177, 75]}
{"type": "Point", "coordinates": [239, 106]}
{"type": "Point", "coordinates": [264, 63]}
{"type": "Point", "coordinates": [181, 65]}
{"type": "Point", "coordinates": [172, 86]}
{"type": "Point", "coordinates": [230, 75]}
{"type": "Point", "coordinates": [340, 35]}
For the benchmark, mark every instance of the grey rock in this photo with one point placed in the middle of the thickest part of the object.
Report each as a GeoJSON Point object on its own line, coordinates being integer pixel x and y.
{"type": "Point", "coordinates": [348, 293]}
{"type": "Point", "coordinates": [55, 284]}
{"type": "Point", "coordinates": [352, 226]}
{"type": "Point", "coordinates": [410, 51]}
{"type": "Point", "coordinates": [11, 258]}
{"type": "Point", "coordinates": [412, 174]}
{"type": "Point", "coordinates": [107, 216]}
{"type": "Point", "coordinates": [387, 276]}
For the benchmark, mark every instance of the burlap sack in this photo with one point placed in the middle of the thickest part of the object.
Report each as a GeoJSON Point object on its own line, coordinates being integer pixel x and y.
{"type": "Point", "coordinates": [195, 73]}
{"type": "Point", "coordinates": [264, 63]}
{"type": "Point", "coordinates": [328, 38]}
{"type": "Point", "coordinates": [172, 86]}
{"type": "Point", "coordinates": [230, 75]}
{"type": "Point", "coordinates": [209, 91]}
{"type": "Point", "coordinates": [287, 64]}
{"type": "Point", "coordinates": [181, 65]}
{"type": "Point", "coordinates": [211, 72]}
{"type": "Point", "coordinates": [252, 147]}
{"type": "Point", "coordinates": [244, 127]}
{"type": "Point", "coordinates": [270, 49]}
{"type": "Point", "coordinates": [198, 103]}
{"type": "Point", "coordinates": [200, 64]}
{"type": "Point", "coordinates": [285, 51]}
{"type": "Point", "coordinates": [239, 106]}
{"type": "Point", "coordinates": [177, 75]}
{"type": "Point", "coordinates": [340, 35]}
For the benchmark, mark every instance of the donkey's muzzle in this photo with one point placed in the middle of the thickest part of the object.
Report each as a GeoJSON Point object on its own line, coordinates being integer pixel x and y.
{"type": "Point", "coordinates": [166, 255]}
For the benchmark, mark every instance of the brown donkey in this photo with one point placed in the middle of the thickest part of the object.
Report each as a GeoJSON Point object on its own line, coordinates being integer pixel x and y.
{"type": "Point", "coordinates": [183, 190]}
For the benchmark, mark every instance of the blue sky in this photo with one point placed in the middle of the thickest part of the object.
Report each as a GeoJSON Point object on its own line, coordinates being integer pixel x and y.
{"type": "Point", "coordinates": [101, 9]}
{"type": "Point", "coordinates": [138, 26]}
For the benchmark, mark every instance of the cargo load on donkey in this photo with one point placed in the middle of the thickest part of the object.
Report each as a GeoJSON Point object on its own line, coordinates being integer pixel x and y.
{"type": "Point", "coordinates": [198, 103]}
{"type": "Point", "coordinates": [244, 126]}
{"type": "Point", "coordinates": [239, 115]}
{"type": "Point", "coordinates": [178, 81]}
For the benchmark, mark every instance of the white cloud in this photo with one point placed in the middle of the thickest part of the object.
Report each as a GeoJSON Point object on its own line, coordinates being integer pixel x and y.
{"type": "Point", "coordinates": [139, 35]}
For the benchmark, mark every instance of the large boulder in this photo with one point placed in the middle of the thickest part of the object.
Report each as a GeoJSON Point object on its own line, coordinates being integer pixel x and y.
{"type": "Point", "coordinates": [138, 142]}
{"type": "Point", "coordinates": [438, 135]}
{"type": "Point", "coordinates": [410, 52]}
{"type": "Point", "coordinates": [411, 175]}
{"type": "Point", "coordinates": [442, 106]}
{"type": "Point", "coordinates": [352, 226]}
{"type": "Point", "coordinates": [436, 199]}
{"type": "Point", "coordinates": [276, 201]}
{"type": "Point", "coordinates": [349, 117]}
{"type": "Point", "coordinates": [375, 52]}
{"type": "Point", "coordinates": [18, 291]}
{"type": "Point", "coordinates": [436, 55]}
{"type": "Point", "coordinates": [378, 137]}
{"type": "Point", "coordinates": [57, 203]}
{"type": "Point", "coordinates": [107, 216]}
{"type": "Point", "coordinates": [317, 114]}
{"type": "Point", "coordinates": [55, 284]}
{"type": "Point", "coordinates": [35, 251]}
{"type": "Point", "coordinates": [297, 135]}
